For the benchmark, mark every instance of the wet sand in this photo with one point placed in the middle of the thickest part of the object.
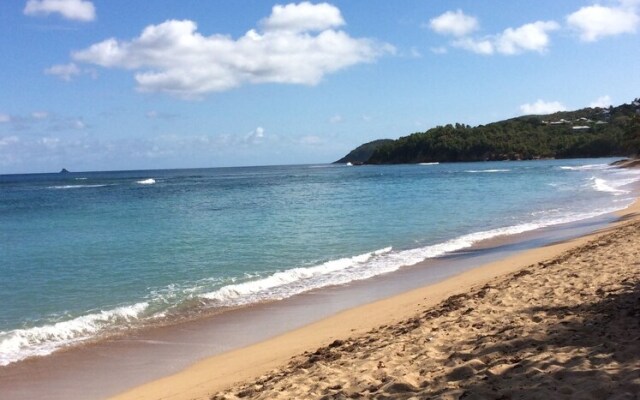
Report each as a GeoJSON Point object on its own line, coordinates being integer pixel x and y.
{"type": "Point", "coordinates": [560, 320]}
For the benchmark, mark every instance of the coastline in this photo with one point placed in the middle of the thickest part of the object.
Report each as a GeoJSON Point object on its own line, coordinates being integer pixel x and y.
{"type": "Point", "coordinates": [223, 371]}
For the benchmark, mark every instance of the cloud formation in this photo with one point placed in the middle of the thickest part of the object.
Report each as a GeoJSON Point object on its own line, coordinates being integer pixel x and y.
{"type": "Point", "coordinates": [595, 22]}
{"type": "Point", "coordinates": [601, 102]}
{"type": "Point", "coordinates": [336, 119]}
{"type": "Point", "coordinates": [303, 17]}
{"type": "Point", "coordinates": [256, 136]}
{"type": "Point", "coordinates": [592, 23]}
{"type": "Point", "coordinates": [454, 23]}
{"type": "Point", "coordinates": [63, 71]}
{"type": "Point", "coordinates": [542, 107]}
{"type": "Point", "coordinates": [298, 44]}
{"type": "Point", "coordinates": [41, 121]}
{"type": "Point", "coordinates": [529, 37]}
{"type": "Point", "coordinates": [78, 10]}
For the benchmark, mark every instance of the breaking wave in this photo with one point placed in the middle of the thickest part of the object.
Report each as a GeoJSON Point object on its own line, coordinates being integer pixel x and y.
{"type": "Point", "coordinates": [76, 186]}
{"type": "Point", "coordinates": [18, 344]}
{"type": "Point", "coordinates": [476, 171]}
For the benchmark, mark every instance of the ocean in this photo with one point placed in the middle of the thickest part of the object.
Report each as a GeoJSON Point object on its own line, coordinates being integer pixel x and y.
{"type": "Point", "coordinates": [87, 255]}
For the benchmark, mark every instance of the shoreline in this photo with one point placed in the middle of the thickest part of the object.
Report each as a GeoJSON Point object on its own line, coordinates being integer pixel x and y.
{"type": "Point", "coordinates": [181, 297]}
{"type": "Point", "coordinates": [220, 372]}
{"type": "Point", "coordinates": [100, 369]}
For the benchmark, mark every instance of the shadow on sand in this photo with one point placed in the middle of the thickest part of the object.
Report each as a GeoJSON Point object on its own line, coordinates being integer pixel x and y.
{"type": "Point", "coordinates": [593, 348]}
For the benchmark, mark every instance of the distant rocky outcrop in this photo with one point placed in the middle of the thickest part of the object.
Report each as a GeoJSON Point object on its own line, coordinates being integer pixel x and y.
{"type": "Point", "coordinates": [64, 171]}
{"type": "Point", "coordinates": [362, 153]}
{"type": "Point", "coordinates": [627, 163]}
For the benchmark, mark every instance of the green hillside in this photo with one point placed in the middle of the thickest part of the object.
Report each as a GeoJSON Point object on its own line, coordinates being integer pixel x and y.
{"type": "Point", "coordinates": [589, 132]}
{"type": "Point", "coordinates": [363, 152]}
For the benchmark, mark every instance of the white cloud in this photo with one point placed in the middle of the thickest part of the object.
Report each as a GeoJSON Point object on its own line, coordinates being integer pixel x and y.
{"type": "Point", "coordinates": [454, 23]}
{"type": "Point", "coordinates": [63, 71]}
{"type": "Point", "coordinates": [596, 21]}
{"type": "Point", "coordinates": [439, 50]}
{"type": "Point", "coordinates": [5, 118]}
{"type": "Point", "coordinates": [303, 17]}
{"type": "Point", "coordinates": [311, 140]}
{"type": "Point", "coordinates": [336, 119]}
{"type": "Point", "coordinates": [39, 114]}
{"type": "Point", "coordinates": [529, 37]}
{"type": "Point", "coordinates": [415, 53]}
{"type": "Point", "coordinates": [49, 142]}
{"type": "Point", "coordinates": [478, 46]}
{"type": "Point", "coordinates": [256, 136]}
{"type": "Point", "coordinates": [79, 10]}
{"type": "Point", "coordinates": [296, 46]}
{"type": "Point", "coordinates": [542, 107]}
{"type": "Point", "coordinates": [8, 140]}
{"type": "Point", "coordinates": [601, 102]}
{"type": "Point", "coordinates": [161, 115]}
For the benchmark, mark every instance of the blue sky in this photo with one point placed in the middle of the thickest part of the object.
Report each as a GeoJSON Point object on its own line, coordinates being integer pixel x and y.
{"type": "Point", "coordinates": [114, 84]}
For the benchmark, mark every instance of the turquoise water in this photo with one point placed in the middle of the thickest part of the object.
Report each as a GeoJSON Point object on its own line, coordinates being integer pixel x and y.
{"type": "Point", "coordinates": [85, 255]}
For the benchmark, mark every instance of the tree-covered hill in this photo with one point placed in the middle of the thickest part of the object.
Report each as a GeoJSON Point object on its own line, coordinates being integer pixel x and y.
{"type": "Point", "coordinates": [589, 132]}
{"type": "Point", "coordinates": [362, 153]}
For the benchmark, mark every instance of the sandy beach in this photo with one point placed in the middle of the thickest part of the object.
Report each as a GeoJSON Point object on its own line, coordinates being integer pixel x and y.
{"type": "Point", "coordinates": [558, 321]}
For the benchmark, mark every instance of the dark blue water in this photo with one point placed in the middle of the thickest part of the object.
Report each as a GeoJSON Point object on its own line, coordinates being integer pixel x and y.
{"type": "Point", "coordinates": [88, 254]}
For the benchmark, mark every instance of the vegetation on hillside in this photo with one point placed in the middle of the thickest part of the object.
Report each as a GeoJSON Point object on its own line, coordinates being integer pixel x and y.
{"type": "Point", "coordinates": [362, 153]}
{"type": "Point", "coordinates": [589, 132]}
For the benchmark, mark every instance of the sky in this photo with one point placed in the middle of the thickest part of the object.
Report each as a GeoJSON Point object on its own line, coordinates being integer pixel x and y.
{"type": "Point", "coordinates": [118, 85]}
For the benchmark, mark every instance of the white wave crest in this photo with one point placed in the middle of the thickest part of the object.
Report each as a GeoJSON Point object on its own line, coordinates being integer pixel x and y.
{"type": "Point", "coordinates": [149, 181]}
{"type": "Point", "coordinates": [18, 344]}
{"type": "Point", "coordinates": [428, 163]}
{"type": "Point", "coordinates": [585, 167]}
{"type": "Point", "coordinates": [287, 283]}
{"type": "Point", "coordinates": [75, 186]}
{"type": "Point", "coordinates": [603, 185]}
{"type": "Point", "coordinates": [293, 281]}
{"type": "Point", "coordinates": [475, 171]}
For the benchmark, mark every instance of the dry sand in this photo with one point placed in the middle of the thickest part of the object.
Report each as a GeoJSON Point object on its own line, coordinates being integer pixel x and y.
{"type": "Point", "coordinates": [562, 321]}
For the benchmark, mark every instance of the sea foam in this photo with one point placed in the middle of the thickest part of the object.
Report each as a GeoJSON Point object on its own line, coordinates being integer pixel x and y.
{"type": "Point", "coordinates": [613, 185]}
{"type": "Point", "coordinates": [18, 344]}
{"type": "Point", "coordinates": [75, 186]}
{"type": "Point", "coordinates": [585, 167]}
{"type": "Point", "coordinates": [476, 171]}
{"type": "Point", "coordinates": [149, 181]}
{"type": "Point", "coordinates": [290, 282]}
